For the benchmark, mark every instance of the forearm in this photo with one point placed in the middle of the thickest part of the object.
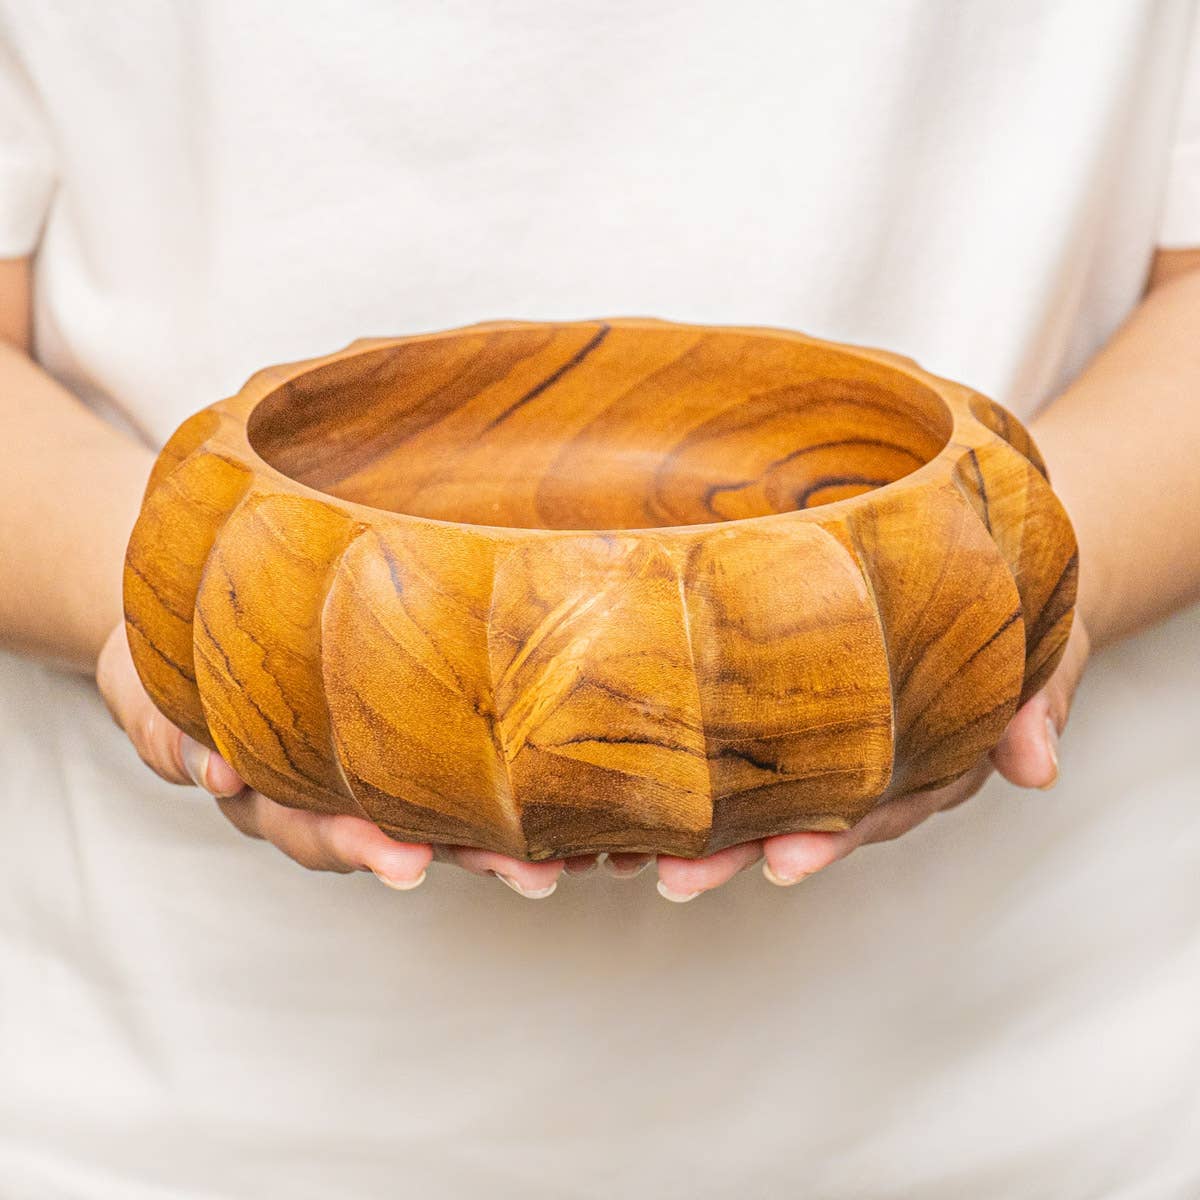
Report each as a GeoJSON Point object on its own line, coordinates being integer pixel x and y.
{"type": "Point", "coordinates": [1122, 444]}
{"type": "Point", "coordinates": [69, 495]}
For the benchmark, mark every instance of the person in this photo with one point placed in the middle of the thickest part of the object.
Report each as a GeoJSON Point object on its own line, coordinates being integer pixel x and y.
{"type": "Point", "coordinates": [1000, 1003]}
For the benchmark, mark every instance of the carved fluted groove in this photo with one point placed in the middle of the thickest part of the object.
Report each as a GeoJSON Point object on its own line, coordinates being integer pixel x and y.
{"type": "Point", "coordinates": [954, 629]}
{"type": "Point", "coordinates": [258, 646]}
{"type": "Point", "coordinates": [608, 585]}
{"type": "Point", "coordinates": [1033, 533]}
{"type": "Point", "coordinates": [187, 502]}
{"type": "Point", "coordinates": [188, 438]}
{"type": "Point", "coordinates": [405, 673]}
{"type": "Point", "coordinates": [1008, 428]}
{"type": "Point", "coordinates": [793, 679]}
{"type": "Point", "coordinates": [596, 708]}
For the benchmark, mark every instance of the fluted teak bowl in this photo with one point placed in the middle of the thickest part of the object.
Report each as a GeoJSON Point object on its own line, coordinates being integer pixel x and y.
{"type": "Point", "coordinates": [606, 585]}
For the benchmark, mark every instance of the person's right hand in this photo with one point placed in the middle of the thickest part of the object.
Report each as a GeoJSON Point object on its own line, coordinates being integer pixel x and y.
{"type": "Point", "coordinates": [319, 841]}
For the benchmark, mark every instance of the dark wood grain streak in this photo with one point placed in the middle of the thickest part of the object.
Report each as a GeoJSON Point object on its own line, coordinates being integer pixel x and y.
{"type": "Point", "coordinates": [551, 379]}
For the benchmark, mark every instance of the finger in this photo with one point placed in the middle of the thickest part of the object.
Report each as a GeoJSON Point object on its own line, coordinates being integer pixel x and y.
{"type": "Point", "coordinates": [897, 817]}
{"type": "Point", "coordinates": [329, 842]}
{"type": "Point", "coordinates": [207, 769]}
{"type": "Point", "coordinates": [683, 879]}
{"type": "Point", "coordinates": [792, 857]}
{"type": "Point", "coordinates": [626, 866]}
{"type": "Point", "coordinates": [534, 881]}
{"type": "Point", "coordinates": [160, 745]}
{"type": "Point", "coordinates": [116, 677]}
{"type": "Point", "coordinates": [154, 738]}
{"type": "Point", "coordinates": [962, 789]}
{"type": "Point", "coordinates": [242, 812]}
{"type": "Point", "coordinates": [1027, 754]}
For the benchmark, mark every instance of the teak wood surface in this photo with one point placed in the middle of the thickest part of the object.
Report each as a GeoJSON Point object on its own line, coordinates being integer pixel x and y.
{"type": "Point", "coordinates": [605, 585]}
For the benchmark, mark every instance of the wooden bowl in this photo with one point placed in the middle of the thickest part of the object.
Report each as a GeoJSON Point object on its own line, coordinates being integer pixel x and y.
{"type": "Point", "coordinates": [607, 585]}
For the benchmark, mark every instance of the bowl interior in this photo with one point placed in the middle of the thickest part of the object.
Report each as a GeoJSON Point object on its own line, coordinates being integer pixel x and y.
{"type": "Point", "coordinates": [598, 426]}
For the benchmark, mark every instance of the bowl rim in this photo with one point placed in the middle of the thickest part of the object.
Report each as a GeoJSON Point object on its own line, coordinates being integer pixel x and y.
{"type": "Point", "coordinates": [230, 437]}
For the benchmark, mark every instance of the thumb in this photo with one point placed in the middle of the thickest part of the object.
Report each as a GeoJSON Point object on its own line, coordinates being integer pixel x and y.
{"type": "Point", "coordinates": [1027, 754]}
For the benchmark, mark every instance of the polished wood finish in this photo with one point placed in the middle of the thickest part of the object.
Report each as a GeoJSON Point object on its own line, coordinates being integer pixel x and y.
{"type": "Point", "coordinates": [606, 585]}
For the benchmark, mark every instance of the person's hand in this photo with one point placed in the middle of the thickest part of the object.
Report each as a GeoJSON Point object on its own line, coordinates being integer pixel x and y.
{"type": "Point", "coordinates": [319, 841]}
{"type": "Point", "coordinates": [1026, 756]}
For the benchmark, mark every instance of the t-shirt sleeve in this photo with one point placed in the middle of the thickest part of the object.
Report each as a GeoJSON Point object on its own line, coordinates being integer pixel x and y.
{"type": "Point", "coordinates": [1180, 223]}
{"type": "Point", "coordinates": [27, 169]}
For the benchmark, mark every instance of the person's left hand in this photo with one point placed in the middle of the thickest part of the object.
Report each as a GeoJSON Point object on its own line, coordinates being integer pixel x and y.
{"type": "Point", "coordinates": [1026, 756]}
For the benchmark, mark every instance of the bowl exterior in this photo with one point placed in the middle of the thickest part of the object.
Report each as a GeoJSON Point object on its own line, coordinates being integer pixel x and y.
{"type": "Point", "coordinates": [549, 693]}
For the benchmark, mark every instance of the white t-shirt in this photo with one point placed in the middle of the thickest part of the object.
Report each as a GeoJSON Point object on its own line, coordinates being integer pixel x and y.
{"type": "Point", "coordinates": [1002, 1004]}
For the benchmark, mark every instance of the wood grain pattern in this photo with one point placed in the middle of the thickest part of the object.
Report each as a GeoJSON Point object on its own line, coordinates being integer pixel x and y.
{"type": "Point", "coordinates": [555, 588]}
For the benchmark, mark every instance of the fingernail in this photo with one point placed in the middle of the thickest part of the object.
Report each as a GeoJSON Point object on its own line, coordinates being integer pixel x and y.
{"type": "Point", "coordinates": [625, 872]}
{"type": "Point", "coordinates": [400, 885]}
{"type": "Point", "coordinates": [578, 872]}
{"type": "Point", "coordinates": [781, 880]}
{"type": "Point", "coordinates": [1052, 746]}
{"type": "Point", "coordinates": [196, 761]}
{"type": "Point", "coordinates": [528, 893]}
{"type": "Point", "coordinates": [675, 897]}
